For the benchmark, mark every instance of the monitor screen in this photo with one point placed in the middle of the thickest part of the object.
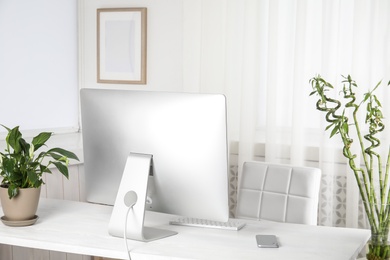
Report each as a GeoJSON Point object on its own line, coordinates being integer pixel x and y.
{"type": "Point", "coordinates": [186, 135]}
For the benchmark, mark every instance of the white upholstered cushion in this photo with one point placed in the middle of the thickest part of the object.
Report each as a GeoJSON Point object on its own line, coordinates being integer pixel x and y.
{"type": "Point", "coordinates": [279, 192]}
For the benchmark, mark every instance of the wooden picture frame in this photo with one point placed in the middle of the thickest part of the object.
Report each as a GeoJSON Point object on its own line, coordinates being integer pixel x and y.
{"type": "Point", "coordinates": [121, 45]}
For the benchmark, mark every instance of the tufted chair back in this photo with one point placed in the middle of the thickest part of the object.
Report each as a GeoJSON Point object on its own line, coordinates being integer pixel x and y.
{"type": "Point", "coordinates": [279, 192]}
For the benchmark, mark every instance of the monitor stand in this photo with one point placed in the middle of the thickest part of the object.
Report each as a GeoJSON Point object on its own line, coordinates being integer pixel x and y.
{"type": "Point", "coordinates": [132, 193]}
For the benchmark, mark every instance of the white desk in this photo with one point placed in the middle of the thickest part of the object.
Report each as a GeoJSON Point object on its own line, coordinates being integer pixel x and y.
{"type": "Point", "coordinates": [81, 228]}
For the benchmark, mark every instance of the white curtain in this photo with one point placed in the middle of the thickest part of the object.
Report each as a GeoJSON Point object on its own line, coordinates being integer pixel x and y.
{"type": "Point", "coordinates": [262, 54]}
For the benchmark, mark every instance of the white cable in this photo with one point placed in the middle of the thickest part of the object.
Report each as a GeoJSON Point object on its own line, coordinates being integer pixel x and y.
{"type": "Point", "coordinates": [124, 232]}
{"type": "Point", "coordinates": [130, 199]}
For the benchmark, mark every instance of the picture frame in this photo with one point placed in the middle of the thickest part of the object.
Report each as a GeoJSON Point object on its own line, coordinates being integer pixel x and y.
{"type": "Point", "coordinates": [121, 45]}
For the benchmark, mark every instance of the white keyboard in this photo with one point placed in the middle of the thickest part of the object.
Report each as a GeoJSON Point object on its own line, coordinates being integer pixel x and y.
{"type": "Point", "coordinates": [195, 222]}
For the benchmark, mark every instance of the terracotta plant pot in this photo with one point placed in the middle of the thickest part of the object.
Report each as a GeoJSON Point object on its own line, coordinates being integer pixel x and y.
{"type": "Point", "coordinates": [22, 207]}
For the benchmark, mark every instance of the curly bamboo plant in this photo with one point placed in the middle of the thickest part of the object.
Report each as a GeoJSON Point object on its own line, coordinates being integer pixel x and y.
{"type": "Point", "coordinates": [373, 177]}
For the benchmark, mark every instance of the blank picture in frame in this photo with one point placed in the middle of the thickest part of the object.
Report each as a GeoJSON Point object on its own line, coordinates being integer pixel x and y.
{"type": "Point", "coordinates": [121, 45]}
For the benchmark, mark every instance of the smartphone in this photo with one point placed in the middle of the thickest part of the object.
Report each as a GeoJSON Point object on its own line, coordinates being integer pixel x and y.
{"type": "Point", "coordinates": [267, 241]}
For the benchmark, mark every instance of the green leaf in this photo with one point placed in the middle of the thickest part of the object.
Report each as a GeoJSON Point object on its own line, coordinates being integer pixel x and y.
{"type": "Point", "coordinates": [8, 129]}
{"type": "Point", "coordinates": [329, 85]}
{"type": "Point", "coordinates": [334, 131]}
{"type": "Point", "coordinates": [13, 190]}
{"type": "Point", "coordinates": [377, 101]}
{"type": "Point", "coordinates": [345, 128]}
{"type": "Point", "coordinates": [13, 138]}
{"type": "Point", "coordinates": [62, 168]}
{"type": "Point", "coordinates": [25, 147]}
{"type": "Point", "coordinates": [329, 126]}
{"type": "Point", "coordinates": [44, 168]}
{"type": "Point", "coordinates": [40, 156]}
{"type": "Point", "coordinates": [40, 139]}
{"type": "Point", "coordinates": [15, 177]}
{"type": "Point", "coordinates": [366, 96]}
{"type": "Point", "coordinates": [32, 176]}
{"type": "Point", "coordinates": [58, 157]}
{"type": "Point", "coordinates": [379, 114]}
{"type": "Point", "coordinates": [9, 165]}
{"type": "Point", "coordinates": [64, 152]}
{"type": "Point", "coordinates": [377, 85]}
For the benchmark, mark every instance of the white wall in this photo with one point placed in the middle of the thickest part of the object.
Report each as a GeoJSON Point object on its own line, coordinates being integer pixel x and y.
{"type": "Point", "coordinates": [38, 64]}
{"type": "Point", "coordinates": [39, 89]}
{"type": "Point", "coordinates": [187, 48]}
{"type": "Point", "coordinates": [164, 44]}
{"type": "Point", "coordinates": [177, 36]}
{"type": "Point", "coordinates": [186, 44]}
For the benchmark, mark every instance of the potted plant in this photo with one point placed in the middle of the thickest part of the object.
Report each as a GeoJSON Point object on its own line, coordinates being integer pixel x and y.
{"type": "Point", "coordinates": [373, 176]}
{"type": "Point", "coordinates": [21, 168]}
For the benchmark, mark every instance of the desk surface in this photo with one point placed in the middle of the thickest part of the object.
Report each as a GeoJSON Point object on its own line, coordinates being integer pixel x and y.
{"type": "Point", "coordinates": [81, 228]}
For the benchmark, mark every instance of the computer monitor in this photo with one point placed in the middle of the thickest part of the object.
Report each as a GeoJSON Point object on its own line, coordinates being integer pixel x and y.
{"type": "Point", "coordinates": [186, 135]}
